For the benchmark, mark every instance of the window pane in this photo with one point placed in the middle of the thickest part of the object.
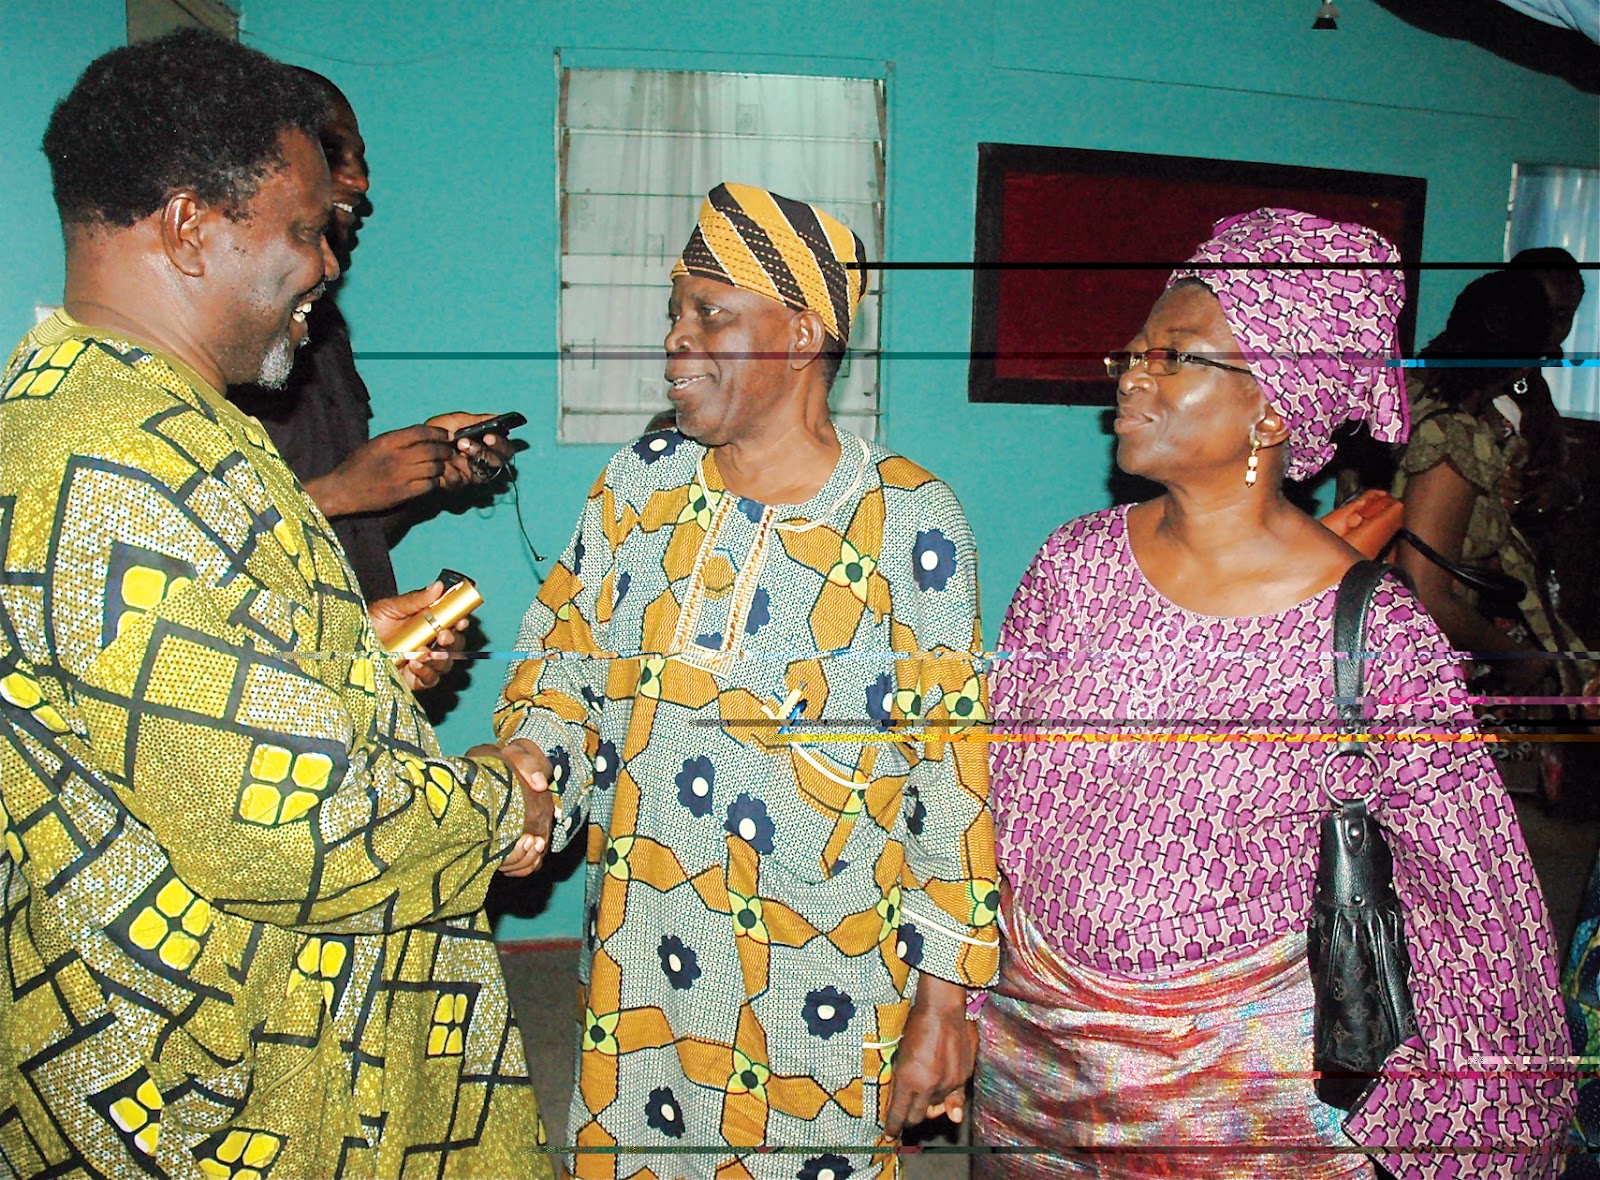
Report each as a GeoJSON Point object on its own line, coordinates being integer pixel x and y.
{"type": "Point", "coordinates": [657, 226]}
{"type": "Point", "coordinates": [728, 104]}
{"type": "Point", "coordinates": [828, 172]}
{"type": "Point", "coordinates": [1553, 205]}
{"type": "Point", "coordinates": [639, 151]}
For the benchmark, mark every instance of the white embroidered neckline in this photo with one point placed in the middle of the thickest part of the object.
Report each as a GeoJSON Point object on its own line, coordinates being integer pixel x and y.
{"type": "Point", "coordinates": [839, 502]}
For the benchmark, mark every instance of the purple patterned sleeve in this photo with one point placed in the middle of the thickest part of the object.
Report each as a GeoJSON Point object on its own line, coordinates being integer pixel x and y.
{"type": "Point", "coordinates": [1172, 819]}
{"type": "Point", "coordinates": [1486, 1074]}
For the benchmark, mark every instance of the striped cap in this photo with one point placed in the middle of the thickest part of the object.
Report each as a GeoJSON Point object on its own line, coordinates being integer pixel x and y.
{"type": "Point", "coordinates": [786, 250]}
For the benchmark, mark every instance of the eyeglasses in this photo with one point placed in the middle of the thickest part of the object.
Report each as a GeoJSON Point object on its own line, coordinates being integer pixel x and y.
{"type": "Point", "coordinates": [1161, 362]}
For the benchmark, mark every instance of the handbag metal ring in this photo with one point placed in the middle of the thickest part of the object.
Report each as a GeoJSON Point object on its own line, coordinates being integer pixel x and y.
{"type": "Point", "coordinates": [1361, 751]}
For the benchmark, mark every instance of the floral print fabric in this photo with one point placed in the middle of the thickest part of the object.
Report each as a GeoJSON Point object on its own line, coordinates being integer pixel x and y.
{"type": "Point", "coordinates": [758, 910]}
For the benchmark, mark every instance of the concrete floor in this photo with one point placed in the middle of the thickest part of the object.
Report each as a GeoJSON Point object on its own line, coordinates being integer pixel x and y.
{"type": "Point", "coordinates": [543, 984]}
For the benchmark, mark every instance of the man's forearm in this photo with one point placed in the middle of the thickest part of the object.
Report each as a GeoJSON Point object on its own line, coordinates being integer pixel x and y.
{"type": "Point", "coordinates": [325, 492]}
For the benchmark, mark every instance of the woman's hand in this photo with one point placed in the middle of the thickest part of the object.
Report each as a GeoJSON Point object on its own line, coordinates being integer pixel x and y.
{"type": "Point", "coordinates": [1366, 522]}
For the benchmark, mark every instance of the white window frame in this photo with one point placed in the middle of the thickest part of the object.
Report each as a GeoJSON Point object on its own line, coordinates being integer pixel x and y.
{"type": "Point", "coordinates": [612, 301]}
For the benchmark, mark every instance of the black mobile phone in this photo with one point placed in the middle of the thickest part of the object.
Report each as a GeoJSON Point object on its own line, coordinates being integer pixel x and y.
{"type": "Point", "coordinates": [497, 426]}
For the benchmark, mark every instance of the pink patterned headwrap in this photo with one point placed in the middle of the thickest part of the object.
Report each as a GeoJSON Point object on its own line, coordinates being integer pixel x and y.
{"type": "Point", "coordinates": [1316, 340]}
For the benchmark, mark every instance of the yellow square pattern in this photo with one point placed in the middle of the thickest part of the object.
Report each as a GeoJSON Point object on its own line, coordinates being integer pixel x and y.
{"type": "Point", "coordinates": [363, 675]}
{"type": "Point", "coordinates": [436, 783]}
{"type": "Point", "coordinates": [319, 962]}
{"type": "Point", "coordinates": [143, 589]}
{"type": "Point", "coordinates": [242, 1155]}
{"type": "Point", "coordinates": [129, 539]}
{"type": "Point", "coordinates": [448, 1035]}
{"type": "Point", "coordinates": [173, 926]}
{"type": "Point", "coordinates": [282, 786]}
{"type": "Point", "coordinates": [24, 693]}
{"type": "Point", "coordinates": [440, 785]}
{"type": "Point", "coordinates": [45, 371]}
{"type": "Point", "coordinates": [293, 539]}
{"type": "Point", "coordinates": [138, 1116]}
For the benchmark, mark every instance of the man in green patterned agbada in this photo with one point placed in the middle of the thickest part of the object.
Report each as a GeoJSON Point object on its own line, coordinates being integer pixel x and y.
{"type": "Point", "coordinates": [242, 890]}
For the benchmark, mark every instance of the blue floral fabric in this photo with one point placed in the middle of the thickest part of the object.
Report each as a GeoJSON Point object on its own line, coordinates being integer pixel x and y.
{"type": "Point", "coordinates": [769, 738]}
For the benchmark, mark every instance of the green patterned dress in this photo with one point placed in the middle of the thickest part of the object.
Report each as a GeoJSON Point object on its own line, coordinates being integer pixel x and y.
{"type": "Point", "coordinates": [1486, 451]}
{"type": "Point", "coordinates": [242, 890]}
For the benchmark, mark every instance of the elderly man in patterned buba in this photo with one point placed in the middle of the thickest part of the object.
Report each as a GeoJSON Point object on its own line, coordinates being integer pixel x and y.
{"type": "Point", "coordinates": [242, 889]}
{"type": "Point", "coordinates": [763, 909]}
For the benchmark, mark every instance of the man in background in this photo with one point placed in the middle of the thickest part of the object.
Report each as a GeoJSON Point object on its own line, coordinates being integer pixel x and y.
{"type": "Point", "coordinates": [368, 488]}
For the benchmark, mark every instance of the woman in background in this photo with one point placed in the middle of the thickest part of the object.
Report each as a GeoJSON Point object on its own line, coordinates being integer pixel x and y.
{"type": "Point", "coordinates": [1485, 465]}
{"type": "Point", "coordinates": [1154, 1012]}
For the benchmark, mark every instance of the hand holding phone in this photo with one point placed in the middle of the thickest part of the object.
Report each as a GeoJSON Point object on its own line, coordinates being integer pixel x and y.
{"type": "Point", "coordinates": [483, 463]}
{"type": "Point", "coordinates": [498, 426]}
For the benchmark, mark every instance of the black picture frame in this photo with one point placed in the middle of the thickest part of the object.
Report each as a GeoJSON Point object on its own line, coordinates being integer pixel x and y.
{"type": "Point", "coordinates": [1126, 219]}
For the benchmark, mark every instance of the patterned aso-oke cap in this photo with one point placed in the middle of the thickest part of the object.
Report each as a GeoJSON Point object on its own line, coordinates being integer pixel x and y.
{"type": "Point", "coordinates": [786, 250]}
{"type": "Point", "coordinates": [1316, 339]}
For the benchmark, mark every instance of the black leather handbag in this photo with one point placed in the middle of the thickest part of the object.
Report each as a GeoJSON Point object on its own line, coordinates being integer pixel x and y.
{"type": "Point", "coordinates": [1355, 940]}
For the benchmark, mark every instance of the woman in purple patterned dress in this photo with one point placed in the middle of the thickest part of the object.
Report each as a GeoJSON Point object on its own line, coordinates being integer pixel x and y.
{"type": "Point", "coordinates": [1154, 1012]}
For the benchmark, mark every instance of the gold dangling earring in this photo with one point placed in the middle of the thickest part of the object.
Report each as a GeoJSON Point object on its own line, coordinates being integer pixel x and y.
{"type": "Point", "coordinates": [1250, 468]}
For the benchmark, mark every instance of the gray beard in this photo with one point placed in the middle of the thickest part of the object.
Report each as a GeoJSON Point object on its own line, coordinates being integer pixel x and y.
{"type": "Point", "coordinates": [277, 364]}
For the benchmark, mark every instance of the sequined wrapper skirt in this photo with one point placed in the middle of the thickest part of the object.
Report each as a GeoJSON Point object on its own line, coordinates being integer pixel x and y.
{"type": "Point", "coordinates": [1205, 1073]}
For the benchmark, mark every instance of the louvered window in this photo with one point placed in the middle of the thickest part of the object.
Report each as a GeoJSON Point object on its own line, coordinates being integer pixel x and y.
{"type": "Point", "coordinates": [639, 151]}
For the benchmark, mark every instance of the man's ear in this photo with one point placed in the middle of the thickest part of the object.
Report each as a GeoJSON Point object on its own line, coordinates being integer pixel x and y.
{"type": "Point", "coordinates": [1271, 429]}
{"type": "Point", "coordinates": [185, 225]}
{"type": "Point", "coordinates": [807, 338]}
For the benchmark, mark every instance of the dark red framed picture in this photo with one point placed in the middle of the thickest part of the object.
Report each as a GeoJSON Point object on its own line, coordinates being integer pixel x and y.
{"type": "Point", "coordinates": [1073, 246]}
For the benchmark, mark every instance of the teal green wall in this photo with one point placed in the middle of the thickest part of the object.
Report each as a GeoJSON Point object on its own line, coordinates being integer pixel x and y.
{"type": "Point", "coordinates": [458, 107]}
{"type": "Point", "coordinates": [46, 45]}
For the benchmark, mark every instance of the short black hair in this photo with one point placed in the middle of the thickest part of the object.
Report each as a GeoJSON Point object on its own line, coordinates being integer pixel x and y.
{"type": "Point", "coordinates": [1500, 319]}
{"type": "Point", "coordinates": [1503, 313]}
{"type": "Point", "coordinates": [190, 110]}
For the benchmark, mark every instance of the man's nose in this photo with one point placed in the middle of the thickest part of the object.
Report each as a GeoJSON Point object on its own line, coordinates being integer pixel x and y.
{"type": "Point", "coordinates": [678, 338]}
{"type": "Point", "coordinates": [330, 263]}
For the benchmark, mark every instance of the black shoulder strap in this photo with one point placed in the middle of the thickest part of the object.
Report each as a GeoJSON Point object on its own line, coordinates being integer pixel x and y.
{"type": "Point", "coordinates": [1497, 591]}
{"type": "Point", "coordinates": [1350, 608]}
